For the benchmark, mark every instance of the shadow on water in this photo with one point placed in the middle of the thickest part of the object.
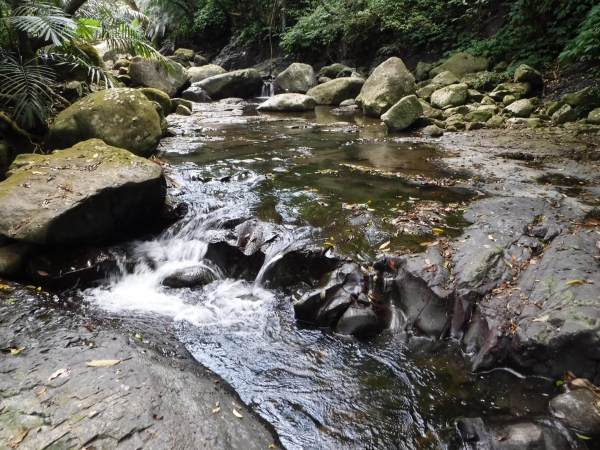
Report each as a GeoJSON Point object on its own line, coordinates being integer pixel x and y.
{"type": "Point", "coordinates": [318, 389]}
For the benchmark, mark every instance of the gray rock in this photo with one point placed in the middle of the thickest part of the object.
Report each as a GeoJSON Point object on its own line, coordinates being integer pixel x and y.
{"type": "Point", "coordinates": [298, 78]}
{"type": "Point", "coordinates": [331, 71]}
{"type": "Point", "coordinates": [196, 94]}
{"type": "Point", "coordinates": [148, 73]}
{"type": "Point", "coordinates": [552, 107]}
{"type": "Point", "coordinates": [203, 72]}
{"type": "Point", "coordinates": [502, 66]}
{"type": "Point", "coordinates": [121, 62]}
{"type": "Point", "coordinates": [460, 64]}
{"type": "Point", "coordinates": [475, 96]}
{"type": "Point", "coordinates": [185, 54]}
{"type": "Point", "coordinates": [472, 126]}
{"type": "Point", "coordinates": [322, 80]}
{"type": "Point", "coordinates": [433, 131]}
{"type": "Point", "coordinates": [576, 409]}
{"type": "Point", "coordinates": [425, 92]}
{"type": "Point", "coordinates": [359, 321]}
{"type": "Point", "coordinates": [520, 108]}
{"type": "Point", "coordinates": [176, 102]}
{"type": "Point", "coordinates": [122, 118]}
{"type": "Point", "coordinates": [594, 117]}
{"type": "Point", "coordinates": [445, 79]}
{"type": "Point", "coordinates": [349, 102]}
{"type": "Point", "coordinates": [389, 82]}
{"type": "Point", "coordinates": [422, 70]}
{"type": "Point", "coordinates": [527, 74]}
{"type": "Point", "coordinates": [495, 122]}
{"type": "Point", "coordinates": [239, 83]}
{"type": "Point", "coordinates": [190, 277]}
{"type": "Point", "coordinates": [13, 258]}
{"type": "Point", "coordinates": [504, 89]}
{"type": "Point", "coordinates": [288, 102]}
{"type": "Point", "coordinates": [509, 99]}
{"type": "Point", "coordinates": [403, 114]}
{"type": "Point", "coordinates": [453, 95]}
{"type": "Point", "coordinates": [95, 192]}
{"type": "Point", "coordinates": [183, 110]}
{"type": "Point", "coordinates": [336, 91]}
{"type": "Point", "coordinates": [564, 114]}
{"type": "Point", "coordinates": [429, 112]}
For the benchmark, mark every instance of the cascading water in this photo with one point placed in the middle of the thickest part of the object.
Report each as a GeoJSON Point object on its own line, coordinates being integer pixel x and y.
{"type": "Point", "coordinates": [268, 89]}
{"type": "Point", "coordinates": [317, 389]}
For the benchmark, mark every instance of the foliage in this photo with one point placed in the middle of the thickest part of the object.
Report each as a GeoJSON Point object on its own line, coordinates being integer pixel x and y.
{"type": "Point", "coordinates": [585, 46]}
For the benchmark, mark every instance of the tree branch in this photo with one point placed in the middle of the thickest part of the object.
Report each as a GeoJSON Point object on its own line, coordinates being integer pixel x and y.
{"type": "Point", "coordinates": [72, 7]}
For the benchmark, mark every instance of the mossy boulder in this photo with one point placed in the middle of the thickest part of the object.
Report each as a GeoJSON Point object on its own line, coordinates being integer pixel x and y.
{"type": "Point", "coordinates": [403, 114]}
{"type": "Point", "coordinates": [422, 70]}
{"type": "Point", "coordinates": [149, 73]}
{"type": "Point", "coordinates": [453, 95]}
{"type": "Point", "coordinates": [521, 108]}
{"type": "Point", "coordinates": [239, 83]}
{"type": "Point", "coordinates": [123, 118]}
{"type": "Point", "coordinates": [495, 122]}
{"type": "Point", "coordinates": [288, 102]}
{"type": "Point", "coordinates": [564, 114]}
{"type": "Point", "coordinates": [388, 84]}
{"type": "Point", "coordinates": [593, 118]}
{"type": "Point", "coordinates": [445, 79]}
{"type": "Point", "coordinates": [586, 98]}
{"type": "Point", "coordinates": [91, 192]}
{"type": "Point", "coordinates": [517, 89]}
{"type": "Point", "coordinates": [479, 116]}
{"type": "Point", "coordinates": [186, 54]}
{"type": "Point", "coordinates": [336, 91]}
{"type": "Point", "coordinates": [332, 70]}
{"type": "Point", "coordinates": [202, 73]}
{"type": "Point", "coordinates": [176, 102]}
{"type": "Point", "coordinates": [527, 74]}
{"type": "Point", "coordinates": [296, 79]}
{"type": "Point", "coordinates": [460, 64]}
{"type": "Point", "coordinates": [160, 97]}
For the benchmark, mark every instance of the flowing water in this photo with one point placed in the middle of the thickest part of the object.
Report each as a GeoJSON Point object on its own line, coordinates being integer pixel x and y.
{"type": "Point", "coordinates": [318, 390]}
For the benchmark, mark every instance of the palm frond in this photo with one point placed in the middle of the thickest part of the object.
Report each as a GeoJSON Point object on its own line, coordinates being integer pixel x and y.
{"type": "Point", "coordinates": [26, 87]}
{"type": "Point", "coordinates": [73, 57]}
{"type": "Point", "coordinates": [43, 20]}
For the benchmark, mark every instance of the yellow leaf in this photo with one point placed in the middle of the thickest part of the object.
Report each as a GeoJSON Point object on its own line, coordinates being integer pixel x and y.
{"type": "Point", "coordinates": [581, 436]}
{"type": "Point", "coordinates": [328, 244]}
{"type": "Point", "coordinates": [16, 351]}
{"type": "Point", "coordinates": [437, 230]}
{"type": "Point", "coordinates": [102, 362]}
{"type": "Point", "coordinates": [4, 287]}
{"type": "Point", "coordinates": [385, 245]}
{"type": "Point", "coordinates": [237, 414]}
{"type": "Point", "coordinates": [569, 283]}
{"type": "Point", "coordinates": [272, 446]}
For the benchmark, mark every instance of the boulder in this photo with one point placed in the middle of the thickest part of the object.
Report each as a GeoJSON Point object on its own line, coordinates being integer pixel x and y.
{"type": "Point", "coordinates": [521, 108]}
{"type": "Point", "coordinates": [564, 114]}
{"type": "Point", "coordinates": [475, 96]}
{"type": "Point", "coordinates": [239, 83]}
{"type": "Point", "coordinates": [122, 117]}
{"type": "Point", "coordinates": [298, 78]}
{"type": "Point", "coordinates": [164, 125]}
{"type": "Point", "coordinates": [13, 257]}
{"type": "Point", "coordinates": [176, 102]}
{"type": "Point", "coordinates": [322, 80]}
{"type": "Point", "coordinates": [460, 64]}
{"type": "Point", "coordinates": [202, 73]}
{"type": "Point", "coordinates": [160, 97]}
{"type": "Point", "coordinates": [527, 74]}
{"type": "Point", "coordinates": [479, 116]}
{"type": "Point", "coordinates": [453, 95]}
{"type": "Point", "coordinates": [576, 409]}
{"type": "Point", "coordinates": [504, 89]}
{"type": "Point", "coordinates": [89, 192]}
{"type": "Point", "coordinates": [359, 320]}
{"type": "Point", "coordinates": [149, 73]}
{"type": "Point", "coordinates": [510, 99]}
{"type": "Point", "coordinates": [403, 114]}
{"type": "Point", "coordinates": [552, 107]}
{"type": "Point", "coordinates": [389, 82]}
{"type": "Point", "coordinates": [445, 79]}
{"type": "Point", "coordinates": [183, 110]}
{"type": "Point", "coordinates": [200, 61]}
{"type": "Point", "coordinates": [422, 70]}
{"type": "Point", "coordinates": [72, 90]}
{"type": "Point", "coordinates": [185, 54]}
{"type": "Point", "coordinates": [336, 91]}
{"type": "Point", "coordinates": [425, 92]}
{"type": "Point", "coordinates": [429, 112]}
{"type": "Point", "coordinates": [196, 94]}
{"type": "Point", "coordinates": [502, 66]}
{"type": "Point", "coordinates": [288, 102]}
{"type": "Point", "coordinates": [586, 98]}
{"type": "Point", "coordinates": [594, 117]}
{"type": "Point", "coordinates": [332, 70]}
{"type": "Point", "coordinates": [432, 131]}
{"type": "Point", "coordinates": [121, 62]}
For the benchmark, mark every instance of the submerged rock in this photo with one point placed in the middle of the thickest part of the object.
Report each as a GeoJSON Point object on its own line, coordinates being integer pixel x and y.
{"type": "Point", "coordinates": [388, 84]}
{"type": "Point", "coordinates": [123, 118]}
{"type": "Point", "coordinates": [239, 83]}
{"type": "Point", "coordinates": [336, 91]}
{"type": "Point", "coordinates": [90, 192]}
{"type": "Point", "coordinates": [288, 102]}
{"type": "Point", "coordinates": [149, 73]}
{"type": "Point", "coordinates": [298, 78]}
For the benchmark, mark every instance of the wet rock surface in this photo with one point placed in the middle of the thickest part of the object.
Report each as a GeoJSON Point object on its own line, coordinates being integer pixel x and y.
{"type": "Point", "coordinates": [151, 395]}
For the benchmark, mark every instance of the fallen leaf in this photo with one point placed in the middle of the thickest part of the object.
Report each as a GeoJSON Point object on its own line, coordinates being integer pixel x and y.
{"type": "Point", "coordinates": [4, 287]}
{"type": "Point", "coordinates": [581, 436]}
{"type": "Point", "coordinates": [386, 244]}
{"type": "Point", "coordinates": [323, 294]}
{"type": "Point", "coordinates": [40, 392]}
{"type": "Point", "coordinates": [237, 414]}
{"type": "Point", "coordinates": [502, 438]}
{"type": "Point", "coordinates": [569, 283]}
{"type": "Point", "coordinates": [559, 414]}
{"type": "Point", "coordinates": [542, 319]}
{"type": "Point", "coordinates": [60, 373]}
{"type": "Point", "coordinates": [216, 410]}
{"type": "Point", "coordinates": [328, 244]}
{"type": "Point", "coordinates": [11, 301]}
{"type": "Point", "coordinates": [491, 238]}
{"type": "Point", "coordinates": [16, 351]}
{"type": "Point", "coordinates": [158, 417]}
{"type": "Point", "coordinates": [272, 446]}
{"type": "Point", "coordinates": [217, 404]}
{"type": "Point", "coordinates": [18, 437]}
{"type": "Point", "coordinates": [102, 362]}
{"type": "Point", "coordinates": [236, 406]}
{"type": "Point", "coordinates": [42, 273]}
{"type": "Point", "coordinates": [437, 230]}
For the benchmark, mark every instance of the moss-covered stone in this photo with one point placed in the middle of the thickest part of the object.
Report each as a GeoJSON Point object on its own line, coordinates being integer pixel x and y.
{"type": "Point", "coordinates": [90, 192]}
{"type": "Point", "coordinates": [336, 91]}
{"type": "Point", "coordinates": [123, 118]}
{"type": "Point", "coordinates": [160, 97]}
{"type": "Point", "coordinates": [460, 64]}
{"type": "Point", "coordinates": [403, 114]}
{"type": "Point", "coordinates": [586, 98]}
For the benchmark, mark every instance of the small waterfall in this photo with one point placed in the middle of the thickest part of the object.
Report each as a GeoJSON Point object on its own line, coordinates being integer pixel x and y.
{"type": "Point", "coordinates": [268, 89]}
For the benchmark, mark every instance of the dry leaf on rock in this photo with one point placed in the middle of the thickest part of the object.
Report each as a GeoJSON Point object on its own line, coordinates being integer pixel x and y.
{"type": "Point", "coordinates": [60, 373]}
{"type": "Point", "coordinates": [102, 362]}
{"type": "Point", "coordinates": [18, 437]}
{"type": "Point", "coordinates": [216, 410]}
{"type": "Point", "coordinates": [16, 351]}
{"type": "Point", "coordinates": [157, 416]}
{"type": "Point", "coordinates": [237, 414]}
{"type": "Point", "coordinates": [569, 283]}
{"type": "Point", "coordinates": [40, 392]}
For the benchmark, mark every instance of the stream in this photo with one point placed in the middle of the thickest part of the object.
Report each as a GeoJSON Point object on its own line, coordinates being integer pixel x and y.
{"type": "Point", "coordinates": [305, 173]}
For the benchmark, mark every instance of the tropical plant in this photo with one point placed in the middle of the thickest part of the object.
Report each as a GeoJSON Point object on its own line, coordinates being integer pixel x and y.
{"type": "Point", "coordinates": [586, 45]}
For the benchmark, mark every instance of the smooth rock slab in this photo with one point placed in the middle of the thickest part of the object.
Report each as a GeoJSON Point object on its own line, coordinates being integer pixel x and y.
{"type": "Point", "coordinates": [90, 192]}
{"type": "Point", "coordinates": [288, 102]}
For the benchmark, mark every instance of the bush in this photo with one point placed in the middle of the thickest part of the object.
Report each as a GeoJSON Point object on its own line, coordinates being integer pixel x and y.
{"type": "Point", "coordinates": [586, 45]}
